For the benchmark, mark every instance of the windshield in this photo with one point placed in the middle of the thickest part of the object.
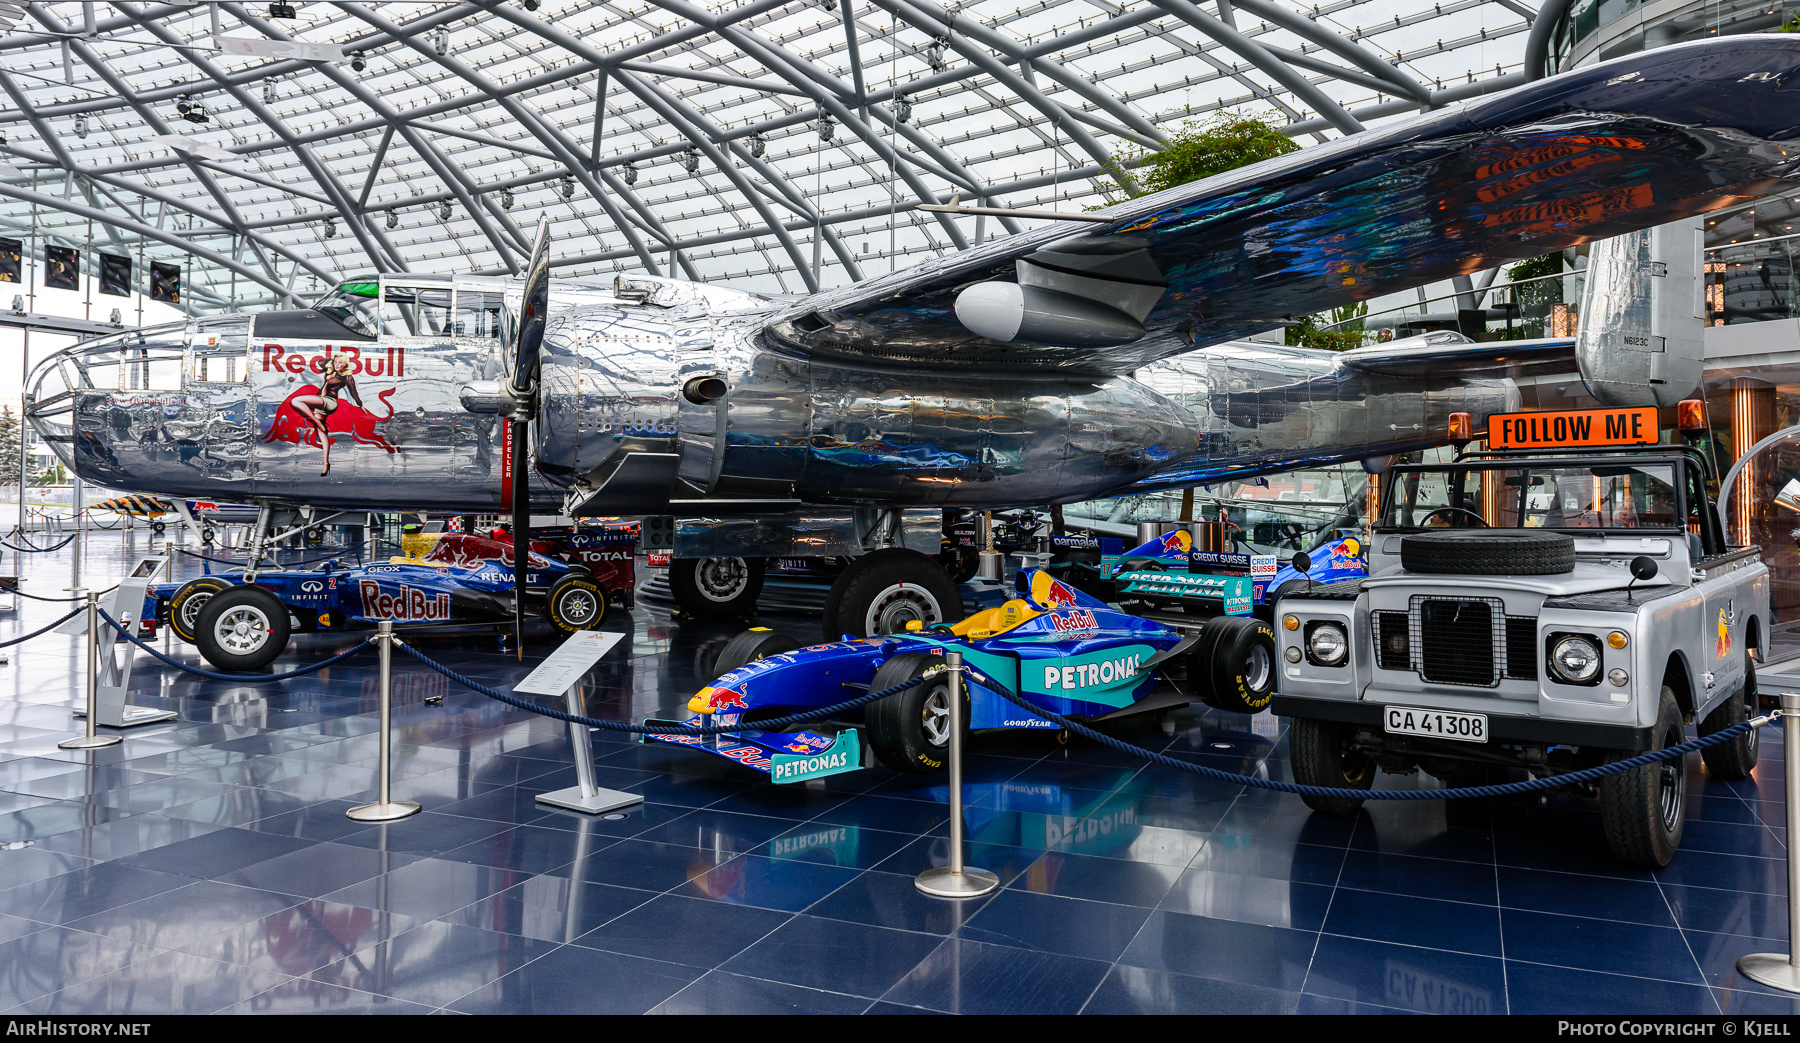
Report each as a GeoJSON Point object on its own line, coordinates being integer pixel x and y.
{"type": "Point", "coordinates": [1553, 495]}
{"type": "Point", "coordinates": [354, 305]}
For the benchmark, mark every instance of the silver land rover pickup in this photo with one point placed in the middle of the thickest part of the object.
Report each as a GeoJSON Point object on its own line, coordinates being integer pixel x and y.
{"type": "Point", "coordinates": [1537, 611]}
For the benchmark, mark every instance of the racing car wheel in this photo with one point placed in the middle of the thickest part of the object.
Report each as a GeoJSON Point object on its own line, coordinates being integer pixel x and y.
{"type": "Point", "coordinates": [1235, 658]}
{"type": "Point", "coordinates": [189, 601]}
{"type": "Point", "coordinates": [910, 732]}
{"type": "Point", "coordinates": [751, 645]}
{"type": "Point", "coordinates": [575, 602]}
{"type": "Point", "coordinates": [243, 628]}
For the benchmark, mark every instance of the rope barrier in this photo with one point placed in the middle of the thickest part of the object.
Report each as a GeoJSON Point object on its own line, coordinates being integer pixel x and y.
{"type": "Point", "coordinates": [6, 588]}
{"type": "Point", "coordinates": [239, 678]}
{"type": "Point", "coordinates": [39, 633]}
{"type": "Point", "coordinates": [1500, 790]}
{"type": "Point", "coordinates": [669, 729]}
{"type": "Point", "coordinates": [31, 548]}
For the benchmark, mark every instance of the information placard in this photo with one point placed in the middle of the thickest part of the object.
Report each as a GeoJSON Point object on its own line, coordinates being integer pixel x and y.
{"type": "Point", "coordinates": [573, 658]}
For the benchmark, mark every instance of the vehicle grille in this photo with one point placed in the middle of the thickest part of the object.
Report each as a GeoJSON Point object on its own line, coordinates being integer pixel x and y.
{"type": "Point", "coordinates": [1393, 646]}
{"type": "Point", "coordinates": [1521, 648]}
{"type": "Point", "coordinates": [1457, 640]}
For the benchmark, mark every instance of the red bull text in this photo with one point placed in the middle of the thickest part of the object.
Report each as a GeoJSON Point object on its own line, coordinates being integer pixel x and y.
{"type": "Point", "coordinates": [411, 605]}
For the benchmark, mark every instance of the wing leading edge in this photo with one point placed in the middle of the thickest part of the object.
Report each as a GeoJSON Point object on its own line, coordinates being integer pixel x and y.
{"type": "Point", "coordinates": [1600, 151]}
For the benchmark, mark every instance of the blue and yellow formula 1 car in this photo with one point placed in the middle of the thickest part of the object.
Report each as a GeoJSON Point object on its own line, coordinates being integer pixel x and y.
{"type": "Point", "coordinates": [243, 623]}
{"type": "Point", "coordinates": [1063, 650]}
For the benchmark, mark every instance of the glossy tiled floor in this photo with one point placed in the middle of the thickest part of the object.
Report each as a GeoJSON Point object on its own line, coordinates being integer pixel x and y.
{"type": "Point", "coordinates": [206, 865]}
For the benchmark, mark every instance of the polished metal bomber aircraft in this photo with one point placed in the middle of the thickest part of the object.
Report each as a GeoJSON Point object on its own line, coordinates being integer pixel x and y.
{"type": "Point", "coordinates": [1078, 360]}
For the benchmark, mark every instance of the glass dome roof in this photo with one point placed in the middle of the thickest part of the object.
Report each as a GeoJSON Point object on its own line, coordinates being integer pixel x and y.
{"type": "Point", "coordinates": [776, 145]}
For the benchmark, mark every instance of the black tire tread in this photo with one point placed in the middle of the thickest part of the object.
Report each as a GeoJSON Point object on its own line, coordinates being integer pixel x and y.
{"type": "Point", "coordinates": [750, 646]}
{"type": "Point", "coordinates": [686, 592]}
{"type": "Point", "coordinates": [874, 572]}
{"type": "Point", "coordinates": [1316, 751]}
{"type": "Point", "coordinates": [1735, 759]}
{"type": "Point", "coordinates": [574, 579]}
{"type": "Point", "coordinates": [893, 729]}
{"type": "Point", "coordinates": [280, 629]}
{"type": "Point", "coordinates": [1533, 554]}
{"type": "Point", "coordinates": [216, 584]}
{"type": "Point", "coordinates": [1630, 811]}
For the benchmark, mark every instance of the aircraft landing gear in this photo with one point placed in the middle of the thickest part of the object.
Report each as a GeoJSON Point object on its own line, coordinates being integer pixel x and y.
{"type": "Point", "coordinates": [880, 592]}
{"type": "Point", "coordinates": [713, 588]}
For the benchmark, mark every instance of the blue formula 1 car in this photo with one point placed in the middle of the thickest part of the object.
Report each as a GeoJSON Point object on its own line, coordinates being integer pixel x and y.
{"type": "Point", "coordinates": [1059, 648]}
{"type": "Point", "coordinates": [243, 621]}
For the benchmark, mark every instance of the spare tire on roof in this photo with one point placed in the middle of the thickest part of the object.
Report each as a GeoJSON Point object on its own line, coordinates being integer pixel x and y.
{"type": "Point", "coordinates": [1534, 554]}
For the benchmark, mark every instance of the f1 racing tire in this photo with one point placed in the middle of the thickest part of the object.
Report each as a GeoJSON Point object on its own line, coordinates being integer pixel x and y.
{"type": "Point", "coordinates": [575, 602]}
{"type": "Point", "coordinates": [880, 592]}
{"type": "Point", "coordinates": [1734, 759]}
{"type": "Point", "coordinates": [1533, 554]}
{"type": "Point", "coordinates": [1236, 658]}
{"type": "Point", "coordinates": [910, 732]}
{"type": "Point", "coordinates": [189, 601]}
{"type": "Point", "coordinates": [716, 588]}
{"type": "Point", "coordinates": [751, 645]}
{"type": "Point", "coordinates": [1642, 811]}
{"type": "Point", "coordinates": [243, 628]}
{"type": "Point", "coordinates": [1322, 755]}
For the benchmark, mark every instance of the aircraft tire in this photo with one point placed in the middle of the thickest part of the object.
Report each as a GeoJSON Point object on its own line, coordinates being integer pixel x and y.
{"type": "Point", "coordinates": [910, 732]}
{"type": "Point", "coordinates": [243, 628]}
{"type": "Point", "coordinates": [749, 646]}
{"type": "Point", "coordinates": [881, 591]}
{"type": "Point", "coordinates": [575, 602]}
{"type": "Point", "coordinates": [716, 588]}
{"type": "Point", "coordinates": [1238, 658]}
{"type": "Point", "coordinates": [189, 601]}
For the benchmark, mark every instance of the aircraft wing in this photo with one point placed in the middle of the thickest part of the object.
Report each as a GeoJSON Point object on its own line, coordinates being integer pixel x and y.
{"type": "Point", "coordinates": [1461, 359]}
{"type": "Point", "coordinates": [1596, 152]}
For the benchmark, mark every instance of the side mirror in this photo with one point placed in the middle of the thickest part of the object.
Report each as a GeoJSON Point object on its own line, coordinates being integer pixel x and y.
{"type": "Point", "coordinates": [1643, 568]}
{"type": "Point", "coordinates": [1302, 564]}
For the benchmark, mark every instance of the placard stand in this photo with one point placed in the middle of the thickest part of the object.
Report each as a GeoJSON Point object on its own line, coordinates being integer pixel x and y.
{"type": "Point", "coordinates": [563, 674]}
{"type": "Point", "coordinates": [113, 682]}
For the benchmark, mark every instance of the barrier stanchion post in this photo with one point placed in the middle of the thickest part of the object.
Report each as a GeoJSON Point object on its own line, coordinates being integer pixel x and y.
{"type": "Point", "coordinates": [385, 809]}
{"type": "Point", "coordinates": [91, 739]}
{"type": "Point", "coordinates": [956, 880]}
{"type": "Point", "coordinates": [1782, 970]}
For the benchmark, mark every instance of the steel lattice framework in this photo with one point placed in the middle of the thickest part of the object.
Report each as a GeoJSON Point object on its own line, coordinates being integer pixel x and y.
{"type": "Point", "coordinates": [780, 145]}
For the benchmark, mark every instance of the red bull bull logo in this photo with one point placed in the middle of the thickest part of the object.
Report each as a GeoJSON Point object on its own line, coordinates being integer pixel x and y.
{"type": "Point", "coordinates": [290, 425]}
{"type": "Point", "coordinates": [713, 699]}
{"type": "Point", "coordinates": [1174, 544]}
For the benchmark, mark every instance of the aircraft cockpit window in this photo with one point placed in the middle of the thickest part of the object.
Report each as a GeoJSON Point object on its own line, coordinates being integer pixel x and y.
{"type": "Point", "coordinates": [354, 308]}
{"type": "Point", "coordinates": [478, 314]}
{"type": "Point", "coordinates": [220, 352]}
{"type": "Point", "coordinates": [416, 311]}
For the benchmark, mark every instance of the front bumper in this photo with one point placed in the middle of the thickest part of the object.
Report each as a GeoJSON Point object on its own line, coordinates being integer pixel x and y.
{"type": "Point", "coordinates": [1505, 730]}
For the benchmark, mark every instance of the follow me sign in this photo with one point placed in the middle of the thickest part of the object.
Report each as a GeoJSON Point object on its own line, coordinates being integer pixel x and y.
{"type": "Point", "coordinates": [1576, 428]}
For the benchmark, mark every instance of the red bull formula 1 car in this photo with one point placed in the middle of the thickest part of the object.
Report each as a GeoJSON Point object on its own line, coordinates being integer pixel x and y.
{"type": "Point", "coordinates": [243, 621]}
{"type": "Point", "coordinates": [1059, 648]}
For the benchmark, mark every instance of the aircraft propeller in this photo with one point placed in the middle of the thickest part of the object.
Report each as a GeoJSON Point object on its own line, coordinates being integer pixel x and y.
{"type": "Point", "coordinates": [524, 340]}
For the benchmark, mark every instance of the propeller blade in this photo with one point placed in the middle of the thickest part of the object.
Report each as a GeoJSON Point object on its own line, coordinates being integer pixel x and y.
{"type": "Point", "coordinates": [521, 525]}
{"type": "Point", "coordinates": [527, 334]}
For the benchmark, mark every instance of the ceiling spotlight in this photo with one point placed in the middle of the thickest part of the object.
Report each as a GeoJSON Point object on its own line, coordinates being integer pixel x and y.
{"type": "Point", "coordinates": [269, 91]}
{"type": "Point", "coordinates": [357, 61]}
{"type": "Point", "coordinates": [529, 5]}
{"type": "Point", "coordinates": [282, 11]}
{"type": "Point", "coordinates": [195, 112]}
{"type": "Point", "coordinates": [826, 128]}
{"type": "Point", "coordinates": [81, 126]}
{"type": "Point", "coordinates": [758, 145]}
{"type": "Point", "coordinates": [117, 318]}
{"type": "Point", "coordinates": [330, 228]}
{"type": "Point", "coordinates": [182, 104]}
{"type": "Point", "coordinates": [934, 54]}
{"type": "Point", "coordinates": [566, 185]}
{"type": "Point", "coordinates": [506, 199]}
{"type": "Point", "coordinates": [18, 304]}
{"type": "Point", "coordinates": [444, 210]}
{"type": "Point", "coordinates": [628, 173]}
{"type": "Point", "coordinates": [690, 160]}
{"type": "Point", "coordinates": [440, 42]}
{"type": "Point", "coordinates": [902, 108]}
{"type": "Point", "coordinates": [393, 220]}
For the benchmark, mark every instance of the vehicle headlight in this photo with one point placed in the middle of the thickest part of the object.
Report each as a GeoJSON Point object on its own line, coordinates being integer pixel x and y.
{"type": "Point", "coordinates": [1327, 644]}
{"type": "Point", "coordinates": [1575, 658]}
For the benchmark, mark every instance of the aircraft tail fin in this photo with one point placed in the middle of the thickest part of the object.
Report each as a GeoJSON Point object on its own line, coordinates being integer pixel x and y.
{"type": "Point", "coordinates": [1641, 341]}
